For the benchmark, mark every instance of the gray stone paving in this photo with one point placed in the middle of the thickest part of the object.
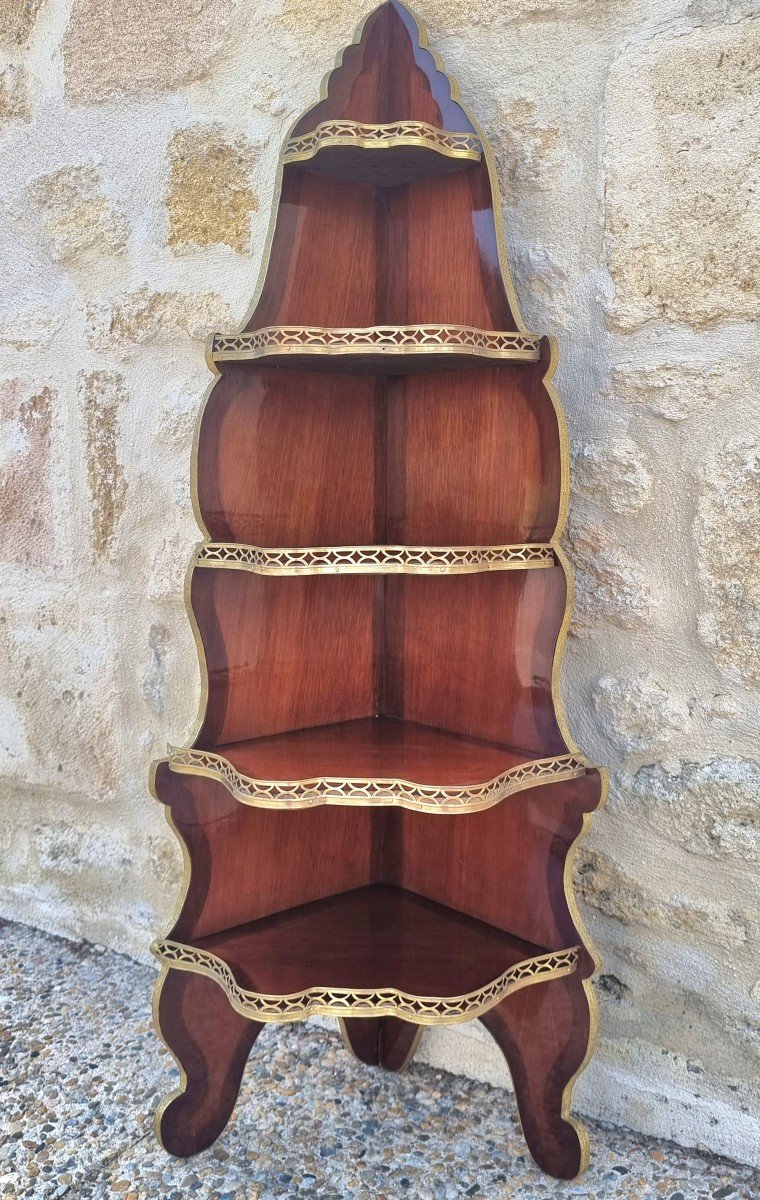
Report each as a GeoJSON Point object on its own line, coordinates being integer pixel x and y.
{"type": "Point", "coordinates": [81, 1070]}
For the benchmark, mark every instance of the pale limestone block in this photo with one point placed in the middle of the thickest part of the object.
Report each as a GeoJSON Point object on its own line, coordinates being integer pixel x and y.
{"type": "Point", "coordinates": [210, 197]}
{"type": "Point", "coordinates": [59, 668]}
{"type": "Point", "coordinates": [707, 808]}
{"type": "Point", "coordinates": [727, 533]}
{"type": "Point", "coordinates": [17, 18]}
{"type": "Point", "coordinates": [102, 394]}
{"type": "Point", "coordinates": [610, 585]}
{"type": "Point", "coordinates": [675, 391]}
{"type": "Point", "coordinates": [14, 95]}
{"type": "Point", "coordinates": [76, 215]}
{"type": "Point", "coordinates": [145, 316]}
{"type": "Point", "coordinates": [638, 713]}
{"type": "Point", "coordinates": [118, 48]}
{"type": "Point", "coordinates": [31, 328]}
{"type": "Point", "coordinates": [27, 529]}
{"type": "Point", "coordinates": [615, 471]}
{"type": "Point", "coordinates": [527, 148]}
{"type": "Point", "coordinates": [682, 196]}
{"type": "Point", "coordinates": [154, 676]}
{"type": "Point", "coordinates": [605, 885]}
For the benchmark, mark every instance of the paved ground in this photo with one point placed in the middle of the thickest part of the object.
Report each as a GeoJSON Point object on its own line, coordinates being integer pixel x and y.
{"type": "Point", "coordinates": [81, 1070]}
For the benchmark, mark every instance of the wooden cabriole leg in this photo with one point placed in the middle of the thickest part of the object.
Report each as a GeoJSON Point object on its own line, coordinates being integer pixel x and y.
{"type": "Point", "coordinates": [385, 1042]}
{"type": "Point", "coordinates": [543, 1031]}
{"type": "Point", "coordinates": [211, 1043]}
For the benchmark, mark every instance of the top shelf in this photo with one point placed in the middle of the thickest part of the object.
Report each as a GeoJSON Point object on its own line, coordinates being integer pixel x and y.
{"type": "Point", "coordinates": [390, 349]}
{"type": "Point", "coordinates": [386, 155]}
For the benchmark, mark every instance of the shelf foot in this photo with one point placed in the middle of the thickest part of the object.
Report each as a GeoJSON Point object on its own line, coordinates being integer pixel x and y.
{"type": "Point", "coordinates": [385, 1042]}
{"type": "Point", "coordinates": [544, 1033]}
{"type": "Point", "coordinates": [211, 1043]}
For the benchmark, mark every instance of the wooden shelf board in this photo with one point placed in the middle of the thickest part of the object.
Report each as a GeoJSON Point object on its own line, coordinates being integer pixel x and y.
{"type": "Point", "coordinates": [374, 761]}
{"type": "Point", "coordinates": [375, 948]}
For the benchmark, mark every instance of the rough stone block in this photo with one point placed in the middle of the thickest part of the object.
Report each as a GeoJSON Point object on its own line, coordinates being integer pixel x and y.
{"type": "Point", "coordinates": [210, 195]}
{"type": "Point", "coordinates": [616, 472]}
{"type": "Point", "coordinates": [27, 529]}
{"type": "Point", "coordinates": [102, 395]}
{"type": "Point", "coordinates": [124, 47]}
{"type": "Point", "coordinates": [638, 713]}
{"type": "Point", "coordinates": [610, 585]}
{"type": "Point", "coordinates": [76, 216]}
{"type": "Point", "coordinates": [17, 19]}
{"type": "Point", "coordinates": [707, 808]}
{"type": "Point", "coordinates": [674, 391]}
{"type": "Point", "coordinates": [683, 177]}
{"type": "Point", "coordinates": [14, 96]}
{"type": "Point", "coordinates": [727, 533]}
{"type": "Point", "coordinates": [603, 883]}
{"type": "Point", "coordinates": [145, 316]}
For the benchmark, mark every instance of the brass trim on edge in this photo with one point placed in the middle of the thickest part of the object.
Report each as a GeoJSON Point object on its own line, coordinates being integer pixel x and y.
{"type": "Point", "coordinates": [365, 1002]}
{"type": "Point", "coordinates": [458, 144]}
{"type": "Point", "coordinates": [373, 559]}
{"type": "Point", "coordinates": [383, 340]}
{"type": "Point", "coordinates": [375, 792]}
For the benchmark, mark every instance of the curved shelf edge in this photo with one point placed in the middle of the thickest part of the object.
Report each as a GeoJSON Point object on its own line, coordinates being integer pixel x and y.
{"type": "Point", "coordinates": [373, 560]}
{"type": "Point", "coordinates": [431, 339]}
{"type": "Point", "coordinates": [364, 1002]}
{"type": "Point", "coordinates": [402, 793]}
{"type": "Point", "coordinates": [368, 136]}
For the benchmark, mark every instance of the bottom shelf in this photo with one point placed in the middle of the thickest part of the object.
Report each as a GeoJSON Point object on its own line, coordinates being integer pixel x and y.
{"type": "Point", "coordinates": [375, 951]}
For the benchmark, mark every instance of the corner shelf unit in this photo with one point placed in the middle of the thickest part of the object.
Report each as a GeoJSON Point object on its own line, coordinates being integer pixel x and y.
{"type": "Point", "coordinates": [380, 805]}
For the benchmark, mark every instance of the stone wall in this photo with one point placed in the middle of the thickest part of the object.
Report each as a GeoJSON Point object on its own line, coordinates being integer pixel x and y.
{"type": "Point", "coordinates": [139, 150]}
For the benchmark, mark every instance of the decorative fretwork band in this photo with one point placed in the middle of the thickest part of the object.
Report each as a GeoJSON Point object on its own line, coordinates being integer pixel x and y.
{"type": "Point", "coordinates": [302, 793]}
{"type": "Point", "coordinates": [337, 560]}
{"type": "Point", "coordinates": [382, 339]}
{"type": "Point", "coordinates": [364, 1002]}
{"type": "Point", "coordinates": [452, 144]}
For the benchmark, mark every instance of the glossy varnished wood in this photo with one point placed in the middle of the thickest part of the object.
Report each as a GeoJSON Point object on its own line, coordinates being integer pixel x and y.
{"type": "Point", "coordinates": [299, 458]}
{"type": "Point", "coordinates": [469, 654]}
{"type": "Point", "coordinates": [212, 1042]}
{"type": "Point", "coordinates": [385, 1042]}
{"type": "Point", "coordinates": [374, 748]}
{"type": "Point", "coordinates": [438, 680]}
{"type": "Point", "coordinates": [378, 936]}
{"type": "Point", "coordinates": [504, 866]}
{"type": "Point", "coordinates": [543, 1033]}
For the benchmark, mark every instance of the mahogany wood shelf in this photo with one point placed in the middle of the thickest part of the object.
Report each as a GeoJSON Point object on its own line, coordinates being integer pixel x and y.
{"type": "Point", "coordinates": [374, 761]}
{"type": "Point", "coordinates": [381, 801]}
{"type": "Point", "coordinates": [400, 955]}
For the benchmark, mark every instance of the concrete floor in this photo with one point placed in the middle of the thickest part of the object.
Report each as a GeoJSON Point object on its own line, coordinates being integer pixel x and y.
{"type": "Point", "coordinates": [81, 1070]}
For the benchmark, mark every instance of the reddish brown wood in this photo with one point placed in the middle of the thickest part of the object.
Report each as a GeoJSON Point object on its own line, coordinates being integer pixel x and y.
{"type": "Point", "coordinates": [388, 76]}
{"type": "Point", "coordinates": [543, 1032]}
{"type": "Point", "coordinates": [435, 679]}
{"type": "Point", "coordinates": [471, 654]}
{"type": "Point", "coordinates": [248, 863]}
{"type": "Point", "coordinates": [374, 748]}
{"type": "Point", "coordinates": [382, 1041]}
{"type": "Point", "coordinates": [377, 936]}
{"type": "Point", "coordinates": [299, 458]}
{"type": "Point", "coordinates": [212, 1043]}
{"type": "Point", "coordinates": [292, 458]}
